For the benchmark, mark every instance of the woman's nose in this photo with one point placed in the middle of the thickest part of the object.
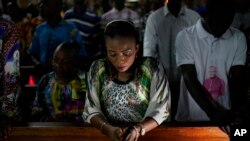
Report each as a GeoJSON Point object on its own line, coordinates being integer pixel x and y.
{"type": "Point", "coordinates": [120, 58]}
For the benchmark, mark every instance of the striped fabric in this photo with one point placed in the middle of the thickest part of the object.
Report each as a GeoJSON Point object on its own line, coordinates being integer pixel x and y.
{"type": "Point", "coordinates": [124, 14]}
{"type": "Point", "coordinates": [87, 23]}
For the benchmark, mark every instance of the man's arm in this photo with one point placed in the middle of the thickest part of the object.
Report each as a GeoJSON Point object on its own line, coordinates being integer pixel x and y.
{"type": "Point", "coordinates": [150, 38]}
{"type": "Point", "coordinates": [238, 87]}
{"type": "Point", "coordinates": [213, 109]}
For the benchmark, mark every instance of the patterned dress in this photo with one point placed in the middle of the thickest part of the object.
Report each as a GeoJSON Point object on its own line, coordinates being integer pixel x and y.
{"type": "Point", "coordinates": [56, 102]}
{"type": "Point", "coordinates": [131, 101]}
{"type": "Point", "coordinates": [9, 70]}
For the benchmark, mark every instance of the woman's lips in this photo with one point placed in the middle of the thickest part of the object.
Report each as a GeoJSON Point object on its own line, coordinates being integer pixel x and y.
{"type": "Point", "coordinates": [121, 67]}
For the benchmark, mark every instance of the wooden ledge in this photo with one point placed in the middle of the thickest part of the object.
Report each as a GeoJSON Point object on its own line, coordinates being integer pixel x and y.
{"type": "Point", "coordinates": [66, 132]}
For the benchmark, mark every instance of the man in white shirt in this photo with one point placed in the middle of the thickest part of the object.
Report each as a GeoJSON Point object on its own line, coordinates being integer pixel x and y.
{"type": "Point", "coordinates": [211, 56]}
{"type": "Point", "coordinates": [161, 29]}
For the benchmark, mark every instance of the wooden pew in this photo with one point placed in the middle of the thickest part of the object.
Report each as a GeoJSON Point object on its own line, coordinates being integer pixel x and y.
{"type": "Point", "coordinates": [67, 132]}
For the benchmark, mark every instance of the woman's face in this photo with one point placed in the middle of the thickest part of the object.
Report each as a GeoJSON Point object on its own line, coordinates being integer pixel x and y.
{"type": "Point", "coordinates": [121, 52]}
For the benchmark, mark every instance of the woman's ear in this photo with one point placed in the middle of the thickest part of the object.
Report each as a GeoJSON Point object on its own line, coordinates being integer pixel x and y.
{"type": "Point", "coordinates": [137, 47]}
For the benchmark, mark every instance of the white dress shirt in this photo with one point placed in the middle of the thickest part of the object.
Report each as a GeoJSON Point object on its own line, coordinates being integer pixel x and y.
{"type": "Point", "coordinates": [160, 33]}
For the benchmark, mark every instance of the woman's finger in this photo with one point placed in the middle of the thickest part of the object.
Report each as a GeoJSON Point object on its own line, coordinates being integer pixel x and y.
{"type": "Point", "coordinates": [128, 137]}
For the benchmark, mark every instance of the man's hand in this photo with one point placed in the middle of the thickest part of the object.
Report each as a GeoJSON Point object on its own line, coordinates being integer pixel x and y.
{"type": "Point", "coordinates": [226, 119]}
{"type": "Point", "coordinates": [236, 120]}
{"type": "Point", "coordinates": [225, 116]}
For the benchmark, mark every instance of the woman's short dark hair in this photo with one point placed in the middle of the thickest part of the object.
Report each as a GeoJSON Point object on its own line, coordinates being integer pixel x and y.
{"type": "Point", "coordinates": [121, 28]}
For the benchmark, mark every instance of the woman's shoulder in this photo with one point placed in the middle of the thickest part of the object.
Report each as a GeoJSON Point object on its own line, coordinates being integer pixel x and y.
{"type": "Point", "coordinates": [148, 66]}
{"type": "Point", "coordinates": [98, 64]}
{"type": "Point", "coordinates": [149, 63]}
{"type": "Point", "coordinates": [97, 67]}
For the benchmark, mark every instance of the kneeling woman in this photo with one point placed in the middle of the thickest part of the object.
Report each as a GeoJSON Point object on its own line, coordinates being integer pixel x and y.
{"type": "Point", "coordinates": [125, 88]}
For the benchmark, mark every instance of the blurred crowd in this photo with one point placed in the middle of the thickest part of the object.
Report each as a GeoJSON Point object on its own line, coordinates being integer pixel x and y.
{"type": "Point", "coordinates": [43, 25]}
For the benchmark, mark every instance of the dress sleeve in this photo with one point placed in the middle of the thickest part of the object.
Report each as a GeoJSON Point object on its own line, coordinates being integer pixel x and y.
{"type": "Point", "coordinates": [160, 99]}
{"type": "Point", "coordinates": [93, 104]}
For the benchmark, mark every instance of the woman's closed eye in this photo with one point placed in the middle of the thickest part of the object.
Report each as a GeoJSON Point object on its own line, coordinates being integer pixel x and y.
{"type": "Point", "coordinates": [128, 52]}
{"type": "Point", "coordinates": [112, 53]}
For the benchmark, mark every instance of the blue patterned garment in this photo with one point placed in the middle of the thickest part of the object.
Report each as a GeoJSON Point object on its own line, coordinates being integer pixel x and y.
{"type": "Point", "coordinates": [87, 23]}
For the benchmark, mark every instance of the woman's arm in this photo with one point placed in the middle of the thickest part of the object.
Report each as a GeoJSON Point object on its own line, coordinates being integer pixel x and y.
{"type": "Point", "coordinates": [93, 113]}
{"type": "Point", "coordinates": [160, 99]}
{"type": "Point", "coordinates": [140, 129]}
{"type": "Point", "coordinates": [158, 107]}
{"type": "Point", "coordinates": [99, 122]}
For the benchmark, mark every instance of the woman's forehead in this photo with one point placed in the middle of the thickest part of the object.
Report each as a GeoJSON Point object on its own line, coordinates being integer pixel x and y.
{"type": "Point", "coordinates": [120, 44]}
{"type": "Point", "coordinates": [120, 40]}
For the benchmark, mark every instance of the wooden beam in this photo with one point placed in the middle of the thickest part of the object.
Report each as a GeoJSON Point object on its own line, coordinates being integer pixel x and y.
{"type": "Point", "coordinates": [67, 132]}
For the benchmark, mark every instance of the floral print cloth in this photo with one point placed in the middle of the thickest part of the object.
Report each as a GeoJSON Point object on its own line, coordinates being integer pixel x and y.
{"type": "Point", "coordinates": [9, 70]}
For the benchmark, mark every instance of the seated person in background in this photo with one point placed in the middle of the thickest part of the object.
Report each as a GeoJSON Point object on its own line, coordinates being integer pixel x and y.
{"type": "Point", "coordinates": [212, 56]}
{"type": "Point", "coordinates": [125, 88]}
{"type": "Point", "coordinates": [49, 34]}
{"type": "Point", "coordinates": [60, 94]}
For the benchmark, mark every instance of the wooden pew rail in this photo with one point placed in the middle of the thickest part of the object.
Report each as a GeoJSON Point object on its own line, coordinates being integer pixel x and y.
{"type": "Point", "coordinates": [35, 131]}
